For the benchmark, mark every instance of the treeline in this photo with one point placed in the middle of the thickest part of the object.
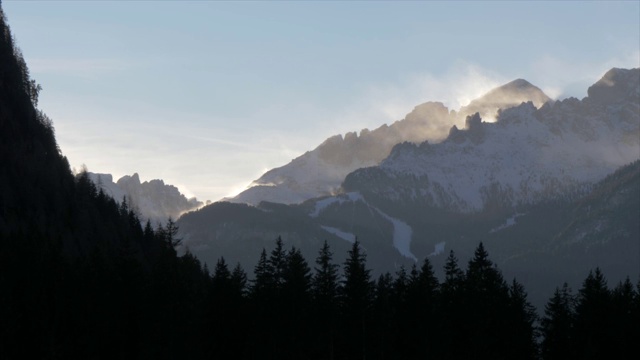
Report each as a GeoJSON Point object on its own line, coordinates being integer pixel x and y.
{"type": "Point", "coordinates": [137, 299]}
{"type": "Point", "coordinates": [292, 312]}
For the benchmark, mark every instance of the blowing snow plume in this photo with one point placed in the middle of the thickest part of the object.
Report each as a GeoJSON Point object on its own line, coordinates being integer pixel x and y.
{"type": "Point", "coordinates": [321, 171]}
{"type": "Point", "coordinates": [504, 97]}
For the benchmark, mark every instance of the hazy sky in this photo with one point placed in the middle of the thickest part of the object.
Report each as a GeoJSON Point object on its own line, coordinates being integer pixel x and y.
{"type": "Point", "coordinates": [209, 95]}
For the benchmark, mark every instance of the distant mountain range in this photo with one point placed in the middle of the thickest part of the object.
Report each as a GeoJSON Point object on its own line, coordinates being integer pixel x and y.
{"type": "Point", "coordinates": [152, 200]}
{"type": "Point", "coordinates": [320, 172]}
{"type": "Point", "coordinates": [550, 187]}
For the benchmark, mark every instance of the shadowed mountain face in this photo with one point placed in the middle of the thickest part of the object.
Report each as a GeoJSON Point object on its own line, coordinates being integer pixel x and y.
{"type": "Point", "coordinates": [321, 171]}
{"type": "Point", "coordinates": [514, 184]}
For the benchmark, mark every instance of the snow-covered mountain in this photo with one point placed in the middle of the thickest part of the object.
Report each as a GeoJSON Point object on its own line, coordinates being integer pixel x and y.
{"type": "Point", "coordinates": [321, 171]}
{"type": "Point", "coordinates": [153, 200]}
{"type": "Point", "coordinates": [527, 156]}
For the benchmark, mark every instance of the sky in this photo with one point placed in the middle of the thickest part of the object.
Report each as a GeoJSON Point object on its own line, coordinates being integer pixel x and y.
{"type": "Point", "coordinates": [209, 95]}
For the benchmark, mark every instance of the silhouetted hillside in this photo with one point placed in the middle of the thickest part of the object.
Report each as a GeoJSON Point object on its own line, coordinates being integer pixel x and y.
{"type": "Point", "coordinates": [79, 275]}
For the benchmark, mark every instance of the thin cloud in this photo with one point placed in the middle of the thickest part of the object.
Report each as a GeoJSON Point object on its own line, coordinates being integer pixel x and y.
{"type": "Point", "coordinates": [386, 103]}
{"type": "Point", "coordinates": [563, 78]}
{"type": "Point", "coordinates": [86, 68]}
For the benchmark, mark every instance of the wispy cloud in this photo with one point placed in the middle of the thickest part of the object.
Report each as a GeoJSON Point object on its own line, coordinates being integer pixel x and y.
{"type": "Point", "coordinates": [86, 68]}
{"type": "Point", "coordinates": [386, 103]}
{"type": "Point", "coordinates": [561, 78]}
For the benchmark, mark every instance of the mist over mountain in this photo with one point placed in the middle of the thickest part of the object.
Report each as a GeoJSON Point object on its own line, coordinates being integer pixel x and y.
{"type": "Point", "coordinates": [506, 96]}
{"type": "Point", "coordinates": [152, 200]}
{"type": "Point", "coordinates": [527, 156]}
{"type": "Point", "coordinates": [321, 171]}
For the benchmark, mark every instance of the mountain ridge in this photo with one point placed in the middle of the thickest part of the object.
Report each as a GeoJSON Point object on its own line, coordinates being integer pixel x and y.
{"type": "Point", "coordinates": [526, 155]}
{"type": "Point", "coordinates": [320, 172]}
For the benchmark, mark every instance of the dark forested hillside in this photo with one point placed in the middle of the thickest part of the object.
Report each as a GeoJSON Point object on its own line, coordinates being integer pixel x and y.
{"type": "Point", "coordinates": [80, 276]}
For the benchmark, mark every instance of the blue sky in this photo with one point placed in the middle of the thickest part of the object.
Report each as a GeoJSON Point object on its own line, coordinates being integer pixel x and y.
{"type": "Point", "coordinates": [209, 95]}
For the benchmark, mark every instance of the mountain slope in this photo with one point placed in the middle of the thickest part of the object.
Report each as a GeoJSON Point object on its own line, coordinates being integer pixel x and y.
{"type": "Point", "coordinates": [320, 172]}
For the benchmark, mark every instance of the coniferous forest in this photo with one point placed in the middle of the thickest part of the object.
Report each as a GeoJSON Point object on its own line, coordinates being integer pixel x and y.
{"type": "Point", "coordinates": [83, 277]}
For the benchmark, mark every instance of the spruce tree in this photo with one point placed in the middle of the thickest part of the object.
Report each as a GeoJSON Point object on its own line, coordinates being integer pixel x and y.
{"type": "Point", "coordinates": [625, 322]}
{"type": "Point", "coordinates": [593, 337]}
{"type": "Point", "coordinates": [454, 276]}
{"type": "Point", "coordinates": [277, 262]}
{"type": "Point", "coordinates": [239, 282]}
{"type": "Point", "coordinates": [522, 335]}
{"type": "Point", "coordinates": [355, 302]}
{"type": "Point", "coordinates": [263, 329]}
{"type": "Point", "coordinates": [263, 282]}
{"type": "Point", "coordinates": [452, 307]}
{"type": "Point", "coordinates": [557, 326]}
{"type": "Point", "coordinates": [221, 277]}
{"type": "Point", "coordinates": [384, 320]}
{"type": "Point", "coordinates": [325, 288]}
{"type": "Point", "coordinates": [424, 321]}
{"type": "Point", "coordinates": [295, 302]}
{"type": "Point", "coordinates": [486, 308]}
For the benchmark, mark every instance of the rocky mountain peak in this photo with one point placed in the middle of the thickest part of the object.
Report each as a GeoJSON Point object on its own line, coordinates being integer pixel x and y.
{"type": "Point", "coordinates": [423, 111]}
{"type": "Point", "coordinates": [616, 85]}
{"type": "Point", "coordinates": [506, 96]}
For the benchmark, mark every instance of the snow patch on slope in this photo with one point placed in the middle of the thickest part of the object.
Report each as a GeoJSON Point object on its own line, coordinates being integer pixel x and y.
{"type": "Point", "coordinates": [321, 205]}
{"type": "Point", "coordinates": [438, 248]}
{"type": "Point", "coordinates": [339, 233]}
{"type": "Point", "coordinates": [508, 223]}
{"type": "Point", "coordinates": [402, 232]}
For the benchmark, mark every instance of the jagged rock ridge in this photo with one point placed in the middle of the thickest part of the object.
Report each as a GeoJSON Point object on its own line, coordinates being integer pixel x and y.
{"type": "Point", "coordinates": [153, 200]}
{"type": "Point", "coordinates": [321, 171]}
{"type": "Point", "coordinates": [529, 155]}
